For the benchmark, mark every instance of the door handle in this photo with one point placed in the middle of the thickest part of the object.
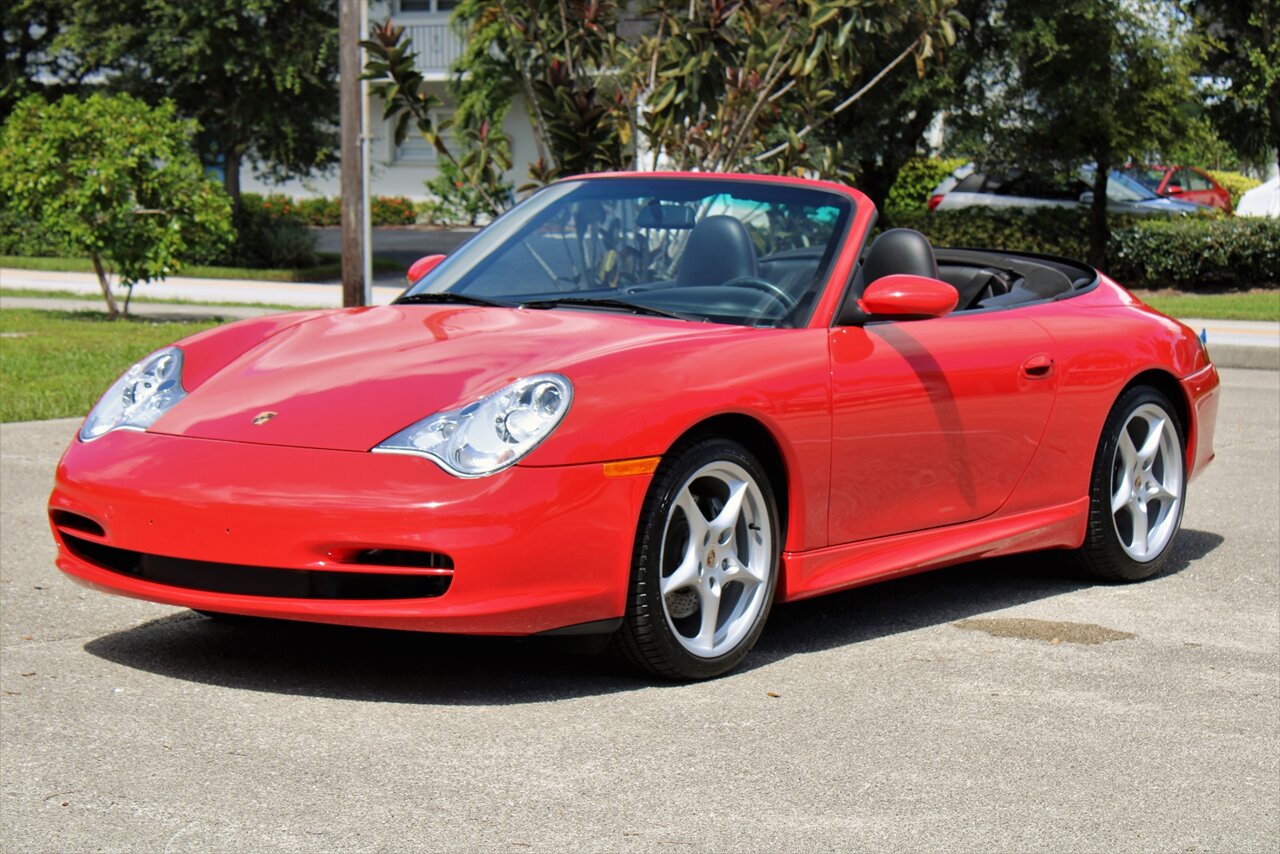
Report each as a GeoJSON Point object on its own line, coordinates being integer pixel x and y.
{"type": "Point", "coordinates": [1038, 367]}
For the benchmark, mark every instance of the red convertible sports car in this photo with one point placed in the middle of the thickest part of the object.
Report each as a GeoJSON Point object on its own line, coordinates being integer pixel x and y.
{"type": "Point", "coordinates": [649, 406]}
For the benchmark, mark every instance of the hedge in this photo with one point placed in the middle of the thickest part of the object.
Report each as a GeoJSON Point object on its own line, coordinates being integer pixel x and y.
{"type": "Point", "coordinates": [1213, 255]}
{"type": "Point", "coordinates": [1193, 253]}
{"type": "Point", "coordinates": [325, 211]}
{"type": "Point", "coordinates": [916, 180]}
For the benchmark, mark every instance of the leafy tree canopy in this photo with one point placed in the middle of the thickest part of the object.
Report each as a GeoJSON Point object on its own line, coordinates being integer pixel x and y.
{"type": "Point", "coordinates": [1242, 53]}
{"type": "Point", "coordinates": [259, 76]}
{"type": "Point", "coordinates": [1066, 82]}
{"type": "Point", "coordinates": [114, 178]}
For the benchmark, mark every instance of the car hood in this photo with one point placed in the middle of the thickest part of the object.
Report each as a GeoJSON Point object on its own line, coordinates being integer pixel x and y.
{"type": "Point", "coordinates": [347, 380]}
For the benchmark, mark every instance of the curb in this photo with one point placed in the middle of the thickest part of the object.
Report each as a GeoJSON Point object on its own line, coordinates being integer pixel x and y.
{"type": "Point", "coordinates": [1236, 356]}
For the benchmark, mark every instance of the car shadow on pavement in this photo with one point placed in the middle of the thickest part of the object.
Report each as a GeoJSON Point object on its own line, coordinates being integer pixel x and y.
{"type": "Point", "coordinates": [409, 667]}
{"type": "Point", "coordinates": [939, 597]}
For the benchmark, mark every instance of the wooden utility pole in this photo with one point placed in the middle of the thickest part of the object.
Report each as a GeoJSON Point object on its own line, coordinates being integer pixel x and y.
{"type": "Point", "coordinates": [353, 248]}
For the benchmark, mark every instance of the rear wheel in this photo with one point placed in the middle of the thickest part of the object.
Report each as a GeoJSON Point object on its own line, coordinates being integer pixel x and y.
{"type": "Point", "coordinates": [1136, 495]}
{"type": "Point", "coordinates": [705, 565]}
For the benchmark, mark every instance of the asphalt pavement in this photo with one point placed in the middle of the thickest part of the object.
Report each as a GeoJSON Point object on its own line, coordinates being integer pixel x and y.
{"type": "Point", "coordinates": [1003, 705]}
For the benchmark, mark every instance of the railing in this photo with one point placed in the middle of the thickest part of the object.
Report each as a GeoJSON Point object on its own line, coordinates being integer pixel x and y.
{"type": "Point", "coordinates": [436, 45]}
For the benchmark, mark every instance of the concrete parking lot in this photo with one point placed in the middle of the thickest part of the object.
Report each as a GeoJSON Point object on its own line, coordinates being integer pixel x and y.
{"type": "Point", "coordinates": [918, 715]}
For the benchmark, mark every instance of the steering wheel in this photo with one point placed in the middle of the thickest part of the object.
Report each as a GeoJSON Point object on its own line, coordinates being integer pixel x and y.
{"type": "Point", "coordinates": [756, 283]}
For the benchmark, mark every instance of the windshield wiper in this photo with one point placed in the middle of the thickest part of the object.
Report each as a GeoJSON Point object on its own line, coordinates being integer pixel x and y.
{"type": "Point", "coordinates": [446, 297]}
{"type": "Point", "coordinates": [605, 302]}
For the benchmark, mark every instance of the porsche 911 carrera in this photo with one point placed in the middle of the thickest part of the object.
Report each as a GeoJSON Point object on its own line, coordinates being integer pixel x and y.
{"type": "Point", "coordinates": [645, 406]}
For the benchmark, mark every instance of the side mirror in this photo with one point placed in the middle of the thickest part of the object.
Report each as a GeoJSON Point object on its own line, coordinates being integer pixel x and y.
{"type": "Point", "coordinates": [908, 296]}
{"type": "Point", "coordinates": [422, 266]}
{"type": "Point", "coordinates": [1086, 198]}
{"type": "Point", "coordinates": [1174, 190]}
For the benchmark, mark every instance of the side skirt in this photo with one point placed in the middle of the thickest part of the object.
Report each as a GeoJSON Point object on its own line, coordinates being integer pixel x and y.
{"type": "Point", "coordinates": [812, 573]}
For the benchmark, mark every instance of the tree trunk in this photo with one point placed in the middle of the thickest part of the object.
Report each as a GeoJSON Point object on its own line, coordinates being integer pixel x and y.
{"type": "Point", "coordinates": [1098, 232]}
{"type": "Point", "coordinates": [231, 175]}
{"type": "Point", "coordinates": [112, 311]}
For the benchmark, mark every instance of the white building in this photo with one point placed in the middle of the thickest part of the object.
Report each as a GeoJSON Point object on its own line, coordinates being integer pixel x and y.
{"type": "Point", "coordinates": [401, 170]}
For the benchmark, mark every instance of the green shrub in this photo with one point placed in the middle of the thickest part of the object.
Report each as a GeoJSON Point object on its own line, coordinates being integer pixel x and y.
{"type": "Point", "coordinates": [327, 211]}
{"type": "Point", "coordinates": [1191, 253]}
{"type": "Point", "coordinates": [916, 180]}
{"type": "Point", "coordinates": [320, 210]}
{"type": "Point", "coordinates": [1198, 255]}
{"type": "Point", "coordinates": [22, 235]}
{"type": "Point", "coordinates": [1049, 231]}
{"type": "Point", "coordinates": [270, 233]}
{"type": "Point", "coordinates": [1234, 183]}
{"type": "Point", "coordinates": [392, 210]}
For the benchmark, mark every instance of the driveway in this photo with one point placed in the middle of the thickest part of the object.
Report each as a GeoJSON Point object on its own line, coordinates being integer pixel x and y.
{"type": "Point", "coordinates": [926, 714]}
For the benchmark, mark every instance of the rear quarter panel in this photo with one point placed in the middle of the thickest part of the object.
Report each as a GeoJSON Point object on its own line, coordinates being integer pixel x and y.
{"type": "Point", "coordinates": [1102, 341]}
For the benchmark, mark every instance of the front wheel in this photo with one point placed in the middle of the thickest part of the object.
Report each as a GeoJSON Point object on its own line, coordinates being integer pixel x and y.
{"type": "Point", "coordinates": [1137, 491]}
{"type": "Point", "coordinates": [705, 566]}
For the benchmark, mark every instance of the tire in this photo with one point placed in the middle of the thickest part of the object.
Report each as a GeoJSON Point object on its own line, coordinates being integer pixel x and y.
{"type": "Point", "coordinates": [701, 586]}
{"type": "Point", "coordinates": [1137, 490]}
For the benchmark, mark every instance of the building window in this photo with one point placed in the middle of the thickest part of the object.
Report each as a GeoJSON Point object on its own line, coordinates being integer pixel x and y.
{"type": "Point", "coordinates": [415, 149]}
{"type": "Point", "coordinates": [428, 6]}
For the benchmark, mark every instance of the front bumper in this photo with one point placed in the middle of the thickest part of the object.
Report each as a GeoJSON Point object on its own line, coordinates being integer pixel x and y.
{"type": "Point", "coordinates": [531, 549]}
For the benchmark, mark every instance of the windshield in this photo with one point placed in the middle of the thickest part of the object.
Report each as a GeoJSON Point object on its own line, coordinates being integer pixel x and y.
{"type": "Point", "coordinates": [1122, 188]}
{"type": "Point", "coordinates": [1148, 176]}
{"type": "Point", "coordinates": [727, 251]}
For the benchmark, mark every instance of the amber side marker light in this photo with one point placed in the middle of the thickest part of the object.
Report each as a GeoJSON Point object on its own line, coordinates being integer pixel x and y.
{"type": "Point", "coordinates": [629, 468]}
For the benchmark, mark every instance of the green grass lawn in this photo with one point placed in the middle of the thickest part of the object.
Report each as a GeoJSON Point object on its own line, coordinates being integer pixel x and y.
{"type": "Point", "coordinates": [55, 364]}
{"type": "Point", "coordinates": [329, 268]}
{"type": "Point", "coordinates": [1245, 305]}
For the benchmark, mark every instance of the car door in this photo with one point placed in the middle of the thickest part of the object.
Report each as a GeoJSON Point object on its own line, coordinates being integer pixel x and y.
{"type": "Point", "coordinates": [933, 421]}
{"type": "Point", "coordinates": [1199, 188]}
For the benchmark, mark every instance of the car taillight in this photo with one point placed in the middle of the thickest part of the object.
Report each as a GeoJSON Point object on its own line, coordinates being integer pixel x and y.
{"type": "Point", "coordinates": [935, 200]}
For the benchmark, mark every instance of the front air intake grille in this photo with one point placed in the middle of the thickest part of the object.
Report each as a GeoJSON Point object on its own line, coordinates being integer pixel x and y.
{"type": "Point", "coordinates": [259, 580]}
{"type": "Point", "coordinates": [76, 522]}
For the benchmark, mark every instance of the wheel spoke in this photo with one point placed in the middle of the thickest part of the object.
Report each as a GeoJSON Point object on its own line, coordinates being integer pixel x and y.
{"type": "Point", "coordinates": [1124, 491]}
{"type": "Point", "coordinates": [709, 598]}
{"type": "Point", "coordinates": [1128, 453]}
{"type": "Point", "coordinates": [698, 528]}
{"type": "Point", "coordinates": [685, 574]}
{"type": "Point", "coordinates": [1151, 446]}
{"type": "Point", "coordinates": [743, 573]}
{"type": "Point", "coordinates": [727, 519]}
{"type": "Point", "coordinates": [1141, 526]}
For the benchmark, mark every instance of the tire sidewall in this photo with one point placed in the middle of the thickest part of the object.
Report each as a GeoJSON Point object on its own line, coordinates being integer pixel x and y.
{"type": "Point", "coordinates": [1106, 554]}
{"type": "Point", "coordinates": [647, 565]}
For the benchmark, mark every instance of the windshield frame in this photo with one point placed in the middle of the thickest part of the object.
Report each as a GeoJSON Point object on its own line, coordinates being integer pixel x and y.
{"type": "Point", "coordinates": [470, 259]}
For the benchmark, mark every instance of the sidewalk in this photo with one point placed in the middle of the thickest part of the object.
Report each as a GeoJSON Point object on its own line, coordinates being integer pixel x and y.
{"type": "Point", "coordinates": [1232, 343]}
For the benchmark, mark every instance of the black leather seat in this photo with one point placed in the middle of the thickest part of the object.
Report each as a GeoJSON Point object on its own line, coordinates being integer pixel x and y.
{"type": "Point", "coordinates": [719, 249]}
{"type": "Point", "coordinates": [900, 251]}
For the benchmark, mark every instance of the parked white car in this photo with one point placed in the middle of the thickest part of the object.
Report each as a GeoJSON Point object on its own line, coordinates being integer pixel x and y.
{"type": "Point", "coordinates": [1263, 200]}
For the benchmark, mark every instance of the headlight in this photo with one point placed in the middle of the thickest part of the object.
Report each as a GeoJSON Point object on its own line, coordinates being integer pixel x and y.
{"type": "Point", "coordinates": [145, 392]}
{"type": "Point", "coordinates": [491, 434]}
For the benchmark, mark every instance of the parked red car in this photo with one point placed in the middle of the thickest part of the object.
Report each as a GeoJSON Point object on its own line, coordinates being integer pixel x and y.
{"type": "Point", "coordinates": [647, 406]}
{"type": "Point", "coordinates": [1182, 182]}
